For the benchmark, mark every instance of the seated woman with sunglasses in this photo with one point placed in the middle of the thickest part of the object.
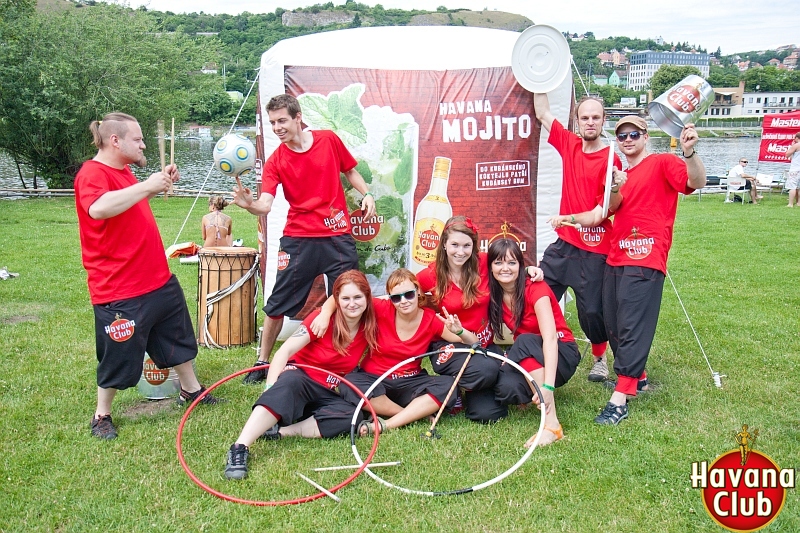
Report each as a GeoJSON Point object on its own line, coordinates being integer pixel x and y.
{"type": "Point", "coordinates": [405, 328]}
{"type": "Point", "coordinates": [291, 393]}
{"type": "Point", "coordinates": [543, 343]}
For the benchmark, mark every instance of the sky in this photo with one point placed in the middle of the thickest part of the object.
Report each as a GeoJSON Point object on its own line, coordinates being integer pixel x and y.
{"type": "Point", "coordinates": [733, 25]}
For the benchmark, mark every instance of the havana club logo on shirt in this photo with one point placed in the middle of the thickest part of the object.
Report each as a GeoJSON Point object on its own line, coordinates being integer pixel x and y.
{"type": "Point", "coordinates": [592, 236]}
{"type": "Point", "coordinates": [445, 355]}
{"type": "Point", "coordinates": [121, 329]}
{"type": "Point", "coordinates": [337, 221]}
{"type": "Point", "coordinates": [637, 245]}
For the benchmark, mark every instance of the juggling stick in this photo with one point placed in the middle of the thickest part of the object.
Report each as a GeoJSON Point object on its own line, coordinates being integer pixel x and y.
{"type": "Point", "coordinates": [570, 224]}
{"type": "Point", "coordinates": [431, 433]}
{"type": "Point", "coordinates": [162, 148]}
{"type": "Point", "coordinates": [350, 467]}
{"type": "Point", "coordinates": [319, 487]}
{"type": "Point", "coordinates": [171, 154]}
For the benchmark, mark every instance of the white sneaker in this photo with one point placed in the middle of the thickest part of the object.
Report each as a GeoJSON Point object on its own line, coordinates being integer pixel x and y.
{"type": "Point", "coordinates": [599, 371]}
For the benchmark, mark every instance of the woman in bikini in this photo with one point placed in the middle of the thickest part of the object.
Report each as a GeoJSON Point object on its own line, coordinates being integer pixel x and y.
{"type": "Point", "coordinates": [216, 225]}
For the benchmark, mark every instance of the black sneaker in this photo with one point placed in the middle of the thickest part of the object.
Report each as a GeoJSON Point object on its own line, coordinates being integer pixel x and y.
{"type": "Point", "coordinates": [236, 464]}
{"type": "Point", "coordinates": [103, 428]}
{"type": "Point", "coordinates": [256, 376]}
{"type": "Point", "coordinates": [272, 433]}
{"type": "Point", "coordinates": [612, 414]}
{"type": "Point", "coordinates": [187, 398]}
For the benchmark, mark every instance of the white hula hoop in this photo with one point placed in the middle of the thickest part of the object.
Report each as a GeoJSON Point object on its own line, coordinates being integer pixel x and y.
{"type": "Point", "coordinates": [464, 490]}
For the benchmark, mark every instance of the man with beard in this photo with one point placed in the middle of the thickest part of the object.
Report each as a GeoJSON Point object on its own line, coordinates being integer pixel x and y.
{"type": "Point", "coordinates": [138, 304]}
{"type": "Point", "coordinates": [578, 257]}
{"type": "Point", "coordinates": [637, 261]}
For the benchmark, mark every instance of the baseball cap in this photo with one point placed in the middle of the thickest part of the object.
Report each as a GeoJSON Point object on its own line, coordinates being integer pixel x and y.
{"type": "Point", "coordinates": [639, 122]}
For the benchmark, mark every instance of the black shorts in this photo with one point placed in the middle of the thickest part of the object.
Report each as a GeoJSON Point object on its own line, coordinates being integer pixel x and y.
{"type": "Point", "coordinates": [400, 389]}
{"type": "Point", "coordinates": [157, 322]}
{"type": "Point", "coordinates": [308, 258]}
{"type": "Point", "coordinates": [481, 371]}
{"type": "Point", "coordinates": [295, 397]}
{"type": "Point", "coordinates": [513, 388]}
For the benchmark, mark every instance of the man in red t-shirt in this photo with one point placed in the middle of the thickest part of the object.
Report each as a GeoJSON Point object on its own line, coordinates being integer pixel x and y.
{"type": "Point", "coordinates": [316, 239]}
{"type": "Point", "coordinates": [138, 303]}
{"type": "Point", "coordinates": [578, 257]}
{"type": "Point", "coordinates": [641, 239]}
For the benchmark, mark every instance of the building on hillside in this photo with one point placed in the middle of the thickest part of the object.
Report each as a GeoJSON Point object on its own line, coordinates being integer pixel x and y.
{"type": "Point", "coordinates": [209, 68]}
{"type": "Point", "coordinates": [790, 62]}
{"type": "Point", "coordinates": [644, 64]}
{"type": "Point", "coordinates": [743, 65]}
{"type": "Point", "coordinates": [774, 62]}
{"type": "Point", "coordinates": [600, 80]}
{"type": "Point", "coordinates": [770, 102]}
{"type": "Point", "coordinates": [618, 78]}
{"type": "Point", "coordinates": [613, 58]}
{"type": "Point", "coordinates": [727, 102]}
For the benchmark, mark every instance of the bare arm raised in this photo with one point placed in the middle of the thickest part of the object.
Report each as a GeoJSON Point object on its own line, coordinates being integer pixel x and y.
{"type": "Point", "coordinates": [541, 106]}
{"type": "Point", "coordinates": [694, 165]}
{"type": "Point", "coordinates": [113, 203]}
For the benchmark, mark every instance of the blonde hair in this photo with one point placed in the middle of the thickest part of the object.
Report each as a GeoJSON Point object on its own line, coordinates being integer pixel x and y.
{"type": "Point", "coordinates": [112, 124]}
{"type": "Point", "coordinates": [218, 202]}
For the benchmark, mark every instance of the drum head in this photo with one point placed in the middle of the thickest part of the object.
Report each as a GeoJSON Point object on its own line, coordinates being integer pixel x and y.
{"type": "Point", "coordinates": [540, 59]}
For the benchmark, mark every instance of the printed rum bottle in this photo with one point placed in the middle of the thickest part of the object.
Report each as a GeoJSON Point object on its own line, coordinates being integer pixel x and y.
{"type": "Point", "coordinates": [431, 214]}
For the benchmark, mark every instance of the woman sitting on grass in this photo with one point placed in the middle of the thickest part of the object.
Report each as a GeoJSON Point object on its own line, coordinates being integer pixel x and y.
{"type": "Point", "coordinates": [290, 391]}
{"type": "Point", "coordinates": [216, 225]}
{"type": "Point", "coordinates": [405, 328]}
{"type": "Point", "coordinates": [543, 343]}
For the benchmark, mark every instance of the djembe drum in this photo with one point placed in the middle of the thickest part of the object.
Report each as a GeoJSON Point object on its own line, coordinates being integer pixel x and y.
{"type": "Point", "coordinates": [226, 295]}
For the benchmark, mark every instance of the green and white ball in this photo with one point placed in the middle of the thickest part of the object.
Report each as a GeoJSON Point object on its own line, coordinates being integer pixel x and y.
{"type": "Point", "coordinates": [234, 155]}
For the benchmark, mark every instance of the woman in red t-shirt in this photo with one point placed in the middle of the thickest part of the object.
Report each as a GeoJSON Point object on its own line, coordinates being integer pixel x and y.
{"type": "Point", "coordinates": [543, 343]}
{"type": "Point", "coordinates": [405, 328]}
{"type": "Point", "coordinates": [290, 391]}
{"type": "Point", "coordinates": [459, 282]}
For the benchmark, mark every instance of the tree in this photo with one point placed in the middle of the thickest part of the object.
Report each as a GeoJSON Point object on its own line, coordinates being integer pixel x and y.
{"type": "Point", "coordinates": [60, 71]}
{"type": "Point", "coordinates": [668, 75]}
{"type": "Point", "coordinates": [724, 76]}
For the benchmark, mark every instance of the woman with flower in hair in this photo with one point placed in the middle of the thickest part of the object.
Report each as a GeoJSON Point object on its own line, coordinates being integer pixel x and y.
{"type": "Point", "coordinates": [291, 392]}
{"type": "Point", "coordinates": [458, 282]}
{"type": "Point", "coordinates": [543, 343]}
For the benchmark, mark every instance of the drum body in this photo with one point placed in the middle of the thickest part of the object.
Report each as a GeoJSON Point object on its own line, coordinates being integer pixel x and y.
{"type": "Point", "coordinates": [231, 320]}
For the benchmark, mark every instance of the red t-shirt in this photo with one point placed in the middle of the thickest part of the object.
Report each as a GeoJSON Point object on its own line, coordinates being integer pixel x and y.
{"type": "Point", "coordinates": [123, 255]}
{"type": "Point", "coordinates": [642, 233]}
{"type": "Point", "coordinates": [534, 290]}
{"type": "Point", "coordinates": [311, 185]}
{"type": "Point", "coordinates": [474, 318]}
{"type": "Point", "coordinates": [391, 350]}
{"type": "Point", "coordinates": [321, 353]}
{"type": "Point", "coordinates": [582, 188]}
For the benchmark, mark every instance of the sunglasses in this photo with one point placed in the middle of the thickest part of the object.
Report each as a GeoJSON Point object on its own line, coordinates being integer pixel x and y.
{"type": "Point", "coordinates": [408, 295]}
{"type": "Point", "coordinates": [634, 135]}
{"type": "Point", "coordinates": [745, 162]}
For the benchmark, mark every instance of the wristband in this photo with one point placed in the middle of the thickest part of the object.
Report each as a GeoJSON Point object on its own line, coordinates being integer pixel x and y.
{"type": "Point", "coordinates": [615, 191]}
{"type": "Point", "coordinates": [460, 333]}
{"type": "Point", "coordinates": [548, 387]}
{"type": "Point", "coordinates": [689, 156]}
{"type": "Point", "coordinates": [572, 219]}
{"type": "Point", "coordinates": [368, 194]}
{"type": "Point", "coordinates": [268, 387]}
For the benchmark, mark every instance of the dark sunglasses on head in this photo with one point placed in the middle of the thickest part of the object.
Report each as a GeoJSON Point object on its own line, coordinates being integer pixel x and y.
{"type": "Point", "coordinates": [634, 135]}
{"type": "Point", "coordinates": [408, 295]}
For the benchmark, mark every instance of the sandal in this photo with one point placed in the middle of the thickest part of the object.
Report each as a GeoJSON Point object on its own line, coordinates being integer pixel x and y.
{"type": "Point", "coordinates": [557, 432]}
{"type": "Point", "coordinates": [367, 427]}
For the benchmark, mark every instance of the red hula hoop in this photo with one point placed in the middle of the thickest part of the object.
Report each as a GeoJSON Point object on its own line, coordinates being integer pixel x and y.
{"type": "Point", "coordinates": [260, 503]}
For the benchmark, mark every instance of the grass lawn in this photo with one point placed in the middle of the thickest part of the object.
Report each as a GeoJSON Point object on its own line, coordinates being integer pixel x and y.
{"type": "Point", "coordinates": [736, 267]}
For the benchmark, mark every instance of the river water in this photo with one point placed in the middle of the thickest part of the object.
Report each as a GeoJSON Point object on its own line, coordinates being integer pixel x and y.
{"type": "Point", "coordinates": [194, 160]}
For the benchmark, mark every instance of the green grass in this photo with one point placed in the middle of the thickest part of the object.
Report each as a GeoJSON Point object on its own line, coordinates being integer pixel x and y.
{"type": "Point", "coordinates": [736, 268]}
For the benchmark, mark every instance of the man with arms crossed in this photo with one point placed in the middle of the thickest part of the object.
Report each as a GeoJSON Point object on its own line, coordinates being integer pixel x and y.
{"type": "Point", "coordinates": [138, 303]}
{"type": "Point", "coordinates": [316, 239]}
{"type": "Point", "coordinates": [578, 257]}
{"type": "Point", "coordinates": [641, 239]}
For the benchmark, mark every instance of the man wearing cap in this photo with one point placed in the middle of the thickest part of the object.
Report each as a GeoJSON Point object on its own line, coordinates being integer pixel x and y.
{"type": "Point", "coordinates": [577, 258]}
{"type": "Point", "coordinates": [750, 181]}
{"type": "Point", "coordinates": [637, 261]}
